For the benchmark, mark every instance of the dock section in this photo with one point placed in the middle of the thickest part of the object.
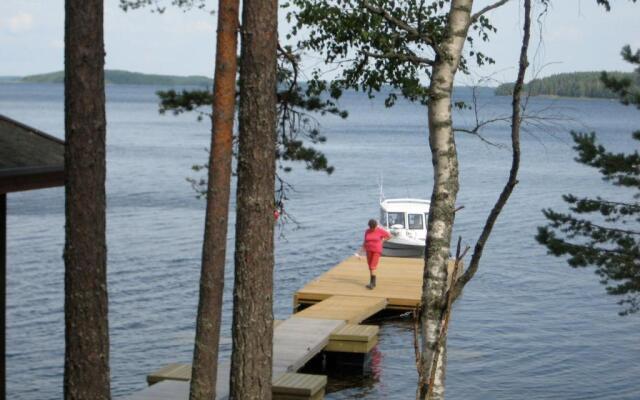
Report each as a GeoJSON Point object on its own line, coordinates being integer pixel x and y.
{"type": "Point", "coordinates": [295, 342]}
{"type": "Point", "coordinates": [336, 303]}
{"type": "Point", "coordinates": [352, 309]}
{"type": "Point", "coordinates": [399, 282]}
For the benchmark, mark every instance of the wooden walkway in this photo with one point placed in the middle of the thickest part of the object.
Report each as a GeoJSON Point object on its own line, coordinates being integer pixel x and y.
{"type": "Point", "coordinates": [399, 282]}
{"type": "Point", "coordinates": [339, 301]}
{"type": "Point", "coordinates": [287, 386]}
{"type": "Point", "coordinates": [295, 342]}
{"type": "Point", "coordinates": [351, 309]}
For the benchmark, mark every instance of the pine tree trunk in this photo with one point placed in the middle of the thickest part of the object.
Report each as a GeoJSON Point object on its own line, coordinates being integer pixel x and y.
{"type": "Point", "coordinates": [86, 366]}
{"type": "Point", "coordinates": [253, 310]}
{"type": "Point", "coordinates": [445, 191]}
{"type": "Point", "coordinates": [205, 353]}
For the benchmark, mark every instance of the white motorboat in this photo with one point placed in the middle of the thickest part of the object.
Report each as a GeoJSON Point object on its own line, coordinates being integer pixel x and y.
{"type": "Point", "coordinates": [406, 220]}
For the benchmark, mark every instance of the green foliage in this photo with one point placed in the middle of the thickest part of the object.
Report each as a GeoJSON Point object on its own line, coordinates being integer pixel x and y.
{"type": "Point", "coordinates": [627, 88]}
{"type": "Point", "coordinates": [575, 84]}
{"type": "Point", "coordinates": [604, 233]}
{"type": "Point", "coordinates": [118, 77]}
{"type": "Point", "coordinates": [377, 42]}
{"type": "Point", "coordinates": [161, 5]}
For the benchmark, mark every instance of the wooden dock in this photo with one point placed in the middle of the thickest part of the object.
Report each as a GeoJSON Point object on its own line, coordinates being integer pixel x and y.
{"type": "Point", "coordinates": [399, 282]}
{"type": "Point", "coordinates": [337, 302]}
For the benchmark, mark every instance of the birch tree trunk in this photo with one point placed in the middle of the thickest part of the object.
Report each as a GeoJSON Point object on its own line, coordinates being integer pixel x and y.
{"type": "Point", "coordinates": [252, 298]}
{"type": "Point", "coordinates": [205, 353]}
{"type": "Point", "coordinates": [86, 363]}
{"type": "Point", "coordinates": [443, 197]}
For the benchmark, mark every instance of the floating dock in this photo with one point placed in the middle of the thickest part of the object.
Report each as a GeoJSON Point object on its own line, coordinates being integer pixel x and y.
{"type": "Point", "coordinates": [399, 282]}
{"type": "Point", "coordinates": [327, 316]}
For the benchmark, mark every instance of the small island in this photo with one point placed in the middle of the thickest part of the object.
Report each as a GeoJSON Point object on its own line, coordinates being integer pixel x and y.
{"type": "Point", "coordinates": [120, 77]}
{"type": "Point", "coordinates": [575, 84]}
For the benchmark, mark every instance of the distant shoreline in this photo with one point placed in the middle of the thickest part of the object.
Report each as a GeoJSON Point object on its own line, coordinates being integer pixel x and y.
{"type": "Point", "coordinates": [575, 85]}
{"type": "Point", "coordinates": [118, 77]}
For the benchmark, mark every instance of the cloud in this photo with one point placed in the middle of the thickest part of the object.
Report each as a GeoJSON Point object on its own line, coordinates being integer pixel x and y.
{"type": "Point", "coordinates": [21, 22]}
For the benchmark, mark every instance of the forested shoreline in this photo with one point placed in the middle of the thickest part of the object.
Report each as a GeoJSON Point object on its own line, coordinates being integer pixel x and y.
{"type": "Point", "coordinates": [119, 77]}
{"type": "Point", "coordinates": [574, 84]}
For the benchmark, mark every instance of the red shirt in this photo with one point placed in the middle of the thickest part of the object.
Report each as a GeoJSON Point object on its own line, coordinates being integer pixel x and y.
{"type": "Point", "coordinates": [373, 239]}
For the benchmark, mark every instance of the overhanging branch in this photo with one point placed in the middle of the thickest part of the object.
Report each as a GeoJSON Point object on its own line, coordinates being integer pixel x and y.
{"type": "Point", "coordinates": [515, 163]}
{"type": "Point", "coordinates": [410, 57]}
{"type": "Point", "coordinates": [488, 8]}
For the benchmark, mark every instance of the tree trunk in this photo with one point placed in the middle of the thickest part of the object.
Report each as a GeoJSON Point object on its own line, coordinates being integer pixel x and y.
{"type": "Point", "coordinates": [205, 352]}
{"type": "Point", "coordinates": [445, 191]}
{"type": "Point", "coordinates": [86, 366]}
{"type": "Point", "coordinates": [3, 291]}
{"type": "Point", "coordinates": [253, 311]}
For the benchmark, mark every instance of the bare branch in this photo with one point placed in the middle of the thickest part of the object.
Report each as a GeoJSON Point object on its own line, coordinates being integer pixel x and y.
{"type": "Point", "coordinates": [488, 8]}
{"type": "Point", "coordinates": [410, 57]}
{"type": "Point", "coordinates": [474, 132]}
{"type": "Point", "coordinates": [515, 163]}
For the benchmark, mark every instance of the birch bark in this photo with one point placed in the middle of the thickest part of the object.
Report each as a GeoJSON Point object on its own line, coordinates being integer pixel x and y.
{"type": "Point", "coordinates": [445, 190]}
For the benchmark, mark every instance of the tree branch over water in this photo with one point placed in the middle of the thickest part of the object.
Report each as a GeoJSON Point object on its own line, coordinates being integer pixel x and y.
{"type": "Point", "coordinates": [512, 181]}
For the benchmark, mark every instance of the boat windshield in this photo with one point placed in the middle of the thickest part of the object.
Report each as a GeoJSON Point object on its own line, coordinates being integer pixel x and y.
{"type": "Point", "coordinates": [396, 218]}
{"type": "Point", "coordinates": [415, 221]}
{"type": "Point", "coordinates": [383, 218]}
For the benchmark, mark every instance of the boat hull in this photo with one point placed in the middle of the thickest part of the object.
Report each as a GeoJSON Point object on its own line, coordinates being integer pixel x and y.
{"type": "Point", "coordinates": [390, 248]}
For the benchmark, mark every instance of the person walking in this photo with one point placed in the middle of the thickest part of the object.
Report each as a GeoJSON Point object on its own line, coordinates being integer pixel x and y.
{"type": "Point", "coordinates": [373, 238]}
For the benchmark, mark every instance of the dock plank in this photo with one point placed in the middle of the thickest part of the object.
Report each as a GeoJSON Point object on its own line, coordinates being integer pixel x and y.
{"type": "Point", "coordinates": [285, 386]}
{"type": "Point", "coordinates": [352, 309]}
{"type": "Point", "coordinates": [176, 372]}
{"type": "Point", "coordinates": [299, 386]}
{"type": "Point", "coordinates": [165, 390]}
{"type": "Point", "coordinates": [298, 340]}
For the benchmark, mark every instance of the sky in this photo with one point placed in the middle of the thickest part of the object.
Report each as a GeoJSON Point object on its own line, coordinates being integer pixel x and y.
{"type": "Point", "coordinates": [576, 35]}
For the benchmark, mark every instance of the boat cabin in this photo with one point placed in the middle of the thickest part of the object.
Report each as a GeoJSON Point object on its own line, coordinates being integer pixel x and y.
{"type": "Point", "coordinates": [409, 214]}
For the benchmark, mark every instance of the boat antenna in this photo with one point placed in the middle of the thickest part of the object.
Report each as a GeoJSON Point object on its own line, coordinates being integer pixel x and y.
{"type": "Point", "coordinates": [381, 191]}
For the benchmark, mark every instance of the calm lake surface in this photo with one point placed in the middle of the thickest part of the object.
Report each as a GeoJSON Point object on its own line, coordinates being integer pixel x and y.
{"type": "Point", "coordinates": [528, 326]}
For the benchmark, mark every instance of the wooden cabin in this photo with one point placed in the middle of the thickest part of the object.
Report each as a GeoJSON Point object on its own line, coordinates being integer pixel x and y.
{"type": "Point", "coordinates": [29, 159]}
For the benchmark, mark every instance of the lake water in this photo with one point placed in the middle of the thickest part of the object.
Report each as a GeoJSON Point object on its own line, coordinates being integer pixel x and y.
{"type": "Point", "coordinates": [527, 327]}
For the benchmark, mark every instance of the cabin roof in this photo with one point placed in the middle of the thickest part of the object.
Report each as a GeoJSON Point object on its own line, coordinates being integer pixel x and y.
{"type": "Point", "coordinates": [29, 158]}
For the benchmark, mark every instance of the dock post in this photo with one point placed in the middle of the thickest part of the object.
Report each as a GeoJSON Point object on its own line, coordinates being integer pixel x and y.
{"type": "Point", "coordinates": [295, 303]}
